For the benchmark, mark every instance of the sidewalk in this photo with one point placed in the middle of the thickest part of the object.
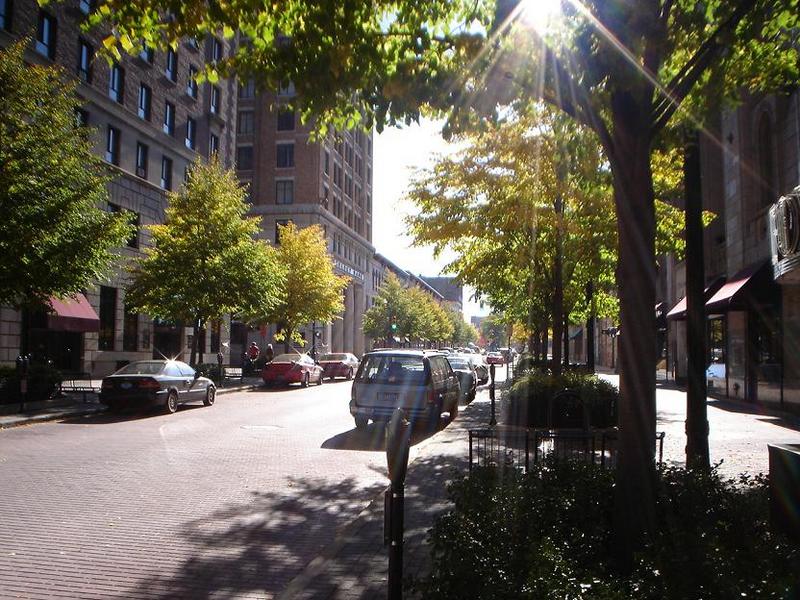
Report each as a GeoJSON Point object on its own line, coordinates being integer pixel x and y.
{"type": "Point", "coordinates": [79, 404]}
{"type": "Point", "coordinates": [355, 565]}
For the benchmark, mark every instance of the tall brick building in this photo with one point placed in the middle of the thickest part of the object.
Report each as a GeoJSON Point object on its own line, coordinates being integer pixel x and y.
{"type": "Point", "coordinates": [150, 120]}
{"type": "Point", "coordinates": [326, 183]}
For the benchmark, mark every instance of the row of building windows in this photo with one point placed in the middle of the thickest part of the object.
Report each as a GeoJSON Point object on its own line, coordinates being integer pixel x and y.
{"type": "Point", "coordinates": [112, 155]}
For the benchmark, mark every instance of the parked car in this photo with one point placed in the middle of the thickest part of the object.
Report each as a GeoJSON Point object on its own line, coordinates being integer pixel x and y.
{"type": "Point", "coordinates": [165, 383]}
{"type": "Point", "coordinates": [292, 368]}
{"type": "Point", "coordinates": [467, 377]}
{"type": "Point", "coordinates": [339, 365]}
{"type": "Point", "coordinates": [481, 368]}
{"type": "Point", "coordinates": [495, 358]}
{"type": "Point", "coordinates": [421, 383]}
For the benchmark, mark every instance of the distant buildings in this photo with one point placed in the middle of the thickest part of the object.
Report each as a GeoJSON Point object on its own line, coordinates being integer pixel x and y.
{"type": "Point", "coordinates": [448, 287]}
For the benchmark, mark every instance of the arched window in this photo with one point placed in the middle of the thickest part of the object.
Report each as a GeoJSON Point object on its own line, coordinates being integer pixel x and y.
{"type": "Point", "coordinates": [766, 162]}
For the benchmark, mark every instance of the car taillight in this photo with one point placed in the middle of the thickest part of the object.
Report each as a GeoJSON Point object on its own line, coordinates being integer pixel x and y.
{"type": "Point", "coordinates": [107, 384]}
{"type": "Point", "coordinates": [149, 384]}
{"type": "Point", "coordinates": [431, 396]}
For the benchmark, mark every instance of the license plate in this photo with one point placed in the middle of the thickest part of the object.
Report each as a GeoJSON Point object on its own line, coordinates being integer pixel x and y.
{"type": "Point", "coordinates": [126, 385]}
{"type": "Point", "coordinates": [391, 397]}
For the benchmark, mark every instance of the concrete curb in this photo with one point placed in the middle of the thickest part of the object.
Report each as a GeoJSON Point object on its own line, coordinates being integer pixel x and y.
{"type": "Point", "coordinates": [18, 420]}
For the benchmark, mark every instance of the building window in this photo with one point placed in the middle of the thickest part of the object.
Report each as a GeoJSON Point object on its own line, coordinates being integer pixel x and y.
{"type": "Point", "coordinates": [5, 15]}
{"type": "Point", "coordinates": [215, 105]}
{"type": "Point", "coordinates": [337, 175]}
{"type": "Point", "coordinates": [286, 90]}
{"type": "Point", "coordinates": [130, 330]}
{"type": "Point", "coordinates": [191, 134]}
{"type": "Point", "coordinates": [327, 162]}
{"type": "Point", "coordinates": [108, 317]}
{"type": "Point", "coordinates": [85, 56]}
{"type": "Point", "coordinates": [112, 145]}
{"type": "Point", "coordinates": [285, 119]}
{"type": "Point", "coordinates": [171, 69]}
{"type": "Point", "coordinates": [348, 186]}
{"type": "Point", "coordinates": [278, 224]}
{"type": "Point", "coordinates": [81, 117]}
{"type": "Point", "coordinates": [146, 54]}
{"type": "Point", "coordinates": [141, 160]}
{"type": "Point", "coordinates": [86, 6]}
{"type": "Point", "coordinates": [284, 191]}
{"type": "Point", "coordinates": [46, 35]}
{"type": "Point", "coordinates": [169, 118]}
{"type": "Point", "coordinates": [166, 173]}
{"type": "Point", "coordinates": [244, 158]}
{"type": "Point", "coordinates": [244, 122]}
{"type": "Point", "coordinates": [247, 89]}
{"type": "Point", "coordinates": [285, 156]}
{"type": "Point", "coordinates": [325, 196]}
{"type": "Point", "coordinates": [216, 50]}
{"type": "Point", "coordinates": [116, 84]}
{"type": "Point", "coordinates": [191, 84]}
{"type": "Point", "coordinates": [145, 98]}
{"type": "Point", "coordinates": [766, 161]}
{"type": "Point", "coordinates": [213, 144]}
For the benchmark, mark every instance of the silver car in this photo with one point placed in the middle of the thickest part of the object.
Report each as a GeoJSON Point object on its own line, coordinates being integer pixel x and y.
{"type": "Point", "coordinates": [164, 383]}
{"type": "Point", "coordinates": [421, 383]}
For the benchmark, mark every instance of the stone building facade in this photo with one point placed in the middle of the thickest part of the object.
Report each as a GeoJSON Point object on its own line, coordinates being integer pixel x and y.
{"type": "Point", "coordinates": [150, 121]}
{"type": "Point", "coordinates": [293, 178]}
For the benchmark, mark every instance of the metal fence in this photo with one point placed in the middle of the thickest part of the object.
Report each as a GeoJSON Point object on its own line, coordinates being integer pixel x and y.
{"type": "Point", "coordinates": [519, 448]}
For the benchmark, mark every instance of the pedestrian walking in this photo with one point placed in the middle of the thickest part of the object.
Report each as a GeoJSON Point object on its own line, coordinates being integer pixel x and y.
{"type": "Point", "coordinates": [269, 353]}
{"type": "Point", "coordinates": [253, 351]}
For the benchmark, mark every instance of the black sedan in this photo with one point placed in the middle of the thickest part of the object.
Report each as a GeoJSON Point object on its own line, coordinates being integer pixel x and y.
{"type": "Point", "coordinates": [467, 377]}
{"type": "Point", "coordinates": [164, 383]}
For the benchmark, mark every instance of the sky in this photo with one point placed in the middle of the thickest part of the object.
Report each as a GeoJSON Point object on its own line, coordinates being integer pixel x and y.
{"type": "Point", "coordinates": [396, 153]}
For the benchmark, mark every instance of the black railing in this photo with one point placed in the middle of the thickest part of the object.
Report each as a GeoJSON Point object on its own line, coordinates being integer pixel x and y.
{"type": "Point", "coordinates": [519, 448]}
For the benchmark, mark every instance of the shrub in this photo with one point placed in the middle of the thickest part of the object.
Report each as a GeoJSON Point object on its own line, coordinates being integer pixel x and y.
{"type": "Point", "coordinates": [210, 370]}
{"type": "Point", "coordinates": [547, 534]}
{"type": "Point", "coordinates": [531, 393]}
{"type": "Point", "coordinates": [43, 382]}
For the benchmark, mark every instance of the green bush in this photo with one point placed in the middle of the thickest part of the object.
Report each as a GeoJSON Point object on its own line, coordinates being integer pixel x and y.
{"type": "Point", "coordinates": [210, 370]}
{"type": "Point", "coordinates": [547, 534]}
{"type": "Point", "coordinates": [531, 392]}
{"type": "Point", "coordinates": [43, 382]}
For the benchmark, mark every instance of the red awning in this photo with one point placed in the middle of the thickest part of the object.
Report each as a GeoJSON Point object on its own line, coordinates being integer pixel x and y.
{"type": "Point", "coordinates": [679, 310]}
{"type": "Point", "coordinates": [73, 314]}
{"type": "Point", "coordinates": [731, 292]}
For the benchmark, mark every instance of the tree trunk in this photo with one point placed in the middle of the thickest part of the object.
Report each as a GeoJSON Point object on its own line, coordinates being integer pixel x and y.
{"type": "Point", "coordinates": [566, 341]}
{"type": "Point", "coordinates": [533, 345]}
{"type": "Point", "coordinates": [696, 411]}
{"type": "Point", "coordinates": [558, 288]}
{"type": "Point", "coordinates": [636, 283]}
{"type": "Point", "coordinates": [545, 344]}
{"type": "Point", "coordinates": [590, 328]}
{"type": "Point", "coordinates": [287, 340]}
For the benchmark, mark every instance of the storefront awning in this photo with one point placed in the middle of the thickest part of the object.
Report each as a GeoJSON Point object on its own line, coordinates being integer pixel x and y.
{"type": "Point", "coordinates": [678, 311]}
{"type": "Point", "coordinates": [73, 314]}
{"type": "Point", "coordinates": [750, 284]}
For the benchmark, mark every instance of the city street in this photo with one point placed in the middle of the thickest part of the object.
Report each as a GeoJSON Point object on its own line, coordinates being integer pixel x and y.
{"type": "Point", "coordinates": [230, 501]}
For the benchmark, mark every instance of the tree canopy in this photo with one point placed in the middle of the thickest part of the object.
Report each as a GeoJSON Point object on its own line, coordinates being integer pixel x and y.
{"type": "Point", "coordinates": [311, 291]}
{"type": "Point", "coordinates": [55, 237]}
{"type": "Point", "coordinates": [205, 261]}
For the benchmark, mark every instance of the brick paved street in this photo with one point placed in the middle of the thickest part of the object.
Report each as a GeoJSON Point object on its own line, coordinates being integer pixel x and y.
{"type": "Point", "coordinates": [230, 501]}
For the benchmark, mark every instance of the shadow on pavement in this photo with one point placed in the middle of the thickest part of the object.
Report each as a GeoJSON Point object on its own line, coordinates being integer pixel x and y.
{"type": "Point", "coordinates": [372, 437]}
{"type": "Point", "coordinates": [768, 415]}
{"type": "Point", "coordinates": [108, 417]}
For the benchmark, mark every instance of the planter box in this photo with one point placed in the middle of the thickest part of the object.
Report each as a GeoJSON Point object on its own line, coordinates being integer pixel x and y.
{"type": "Point", "coordinates": [784, 488]}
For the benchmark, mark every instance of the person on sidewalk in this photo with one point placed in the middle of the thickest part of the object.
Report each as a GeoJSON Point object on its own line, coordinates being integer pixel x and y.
{"type": "Point", "coordinates": [269, 353]}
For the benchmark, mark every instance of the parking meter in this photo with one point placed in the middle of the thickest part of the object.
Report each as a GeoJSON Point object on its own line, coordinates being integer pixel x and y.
{"type": "Point", "coordinates": [397, 448]}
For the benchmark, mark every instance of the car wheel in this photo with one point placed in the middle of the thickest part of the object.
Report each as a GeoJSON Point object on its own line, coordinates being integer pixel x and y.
{"type": "Point", "coordinates": [453, 412]}
{"type": "Point", "coordinates": [211, 395]}
{"type": "Point", "coordinates": [350, 374]}
{"type": "Point", "coordinates": [304, 383]}
{"type": "Point", "coordinates": [171, 405]}
{"type": "Point", "coordinates": [361, 422]}
{"type": "Point", "coordinates": [434, 417]}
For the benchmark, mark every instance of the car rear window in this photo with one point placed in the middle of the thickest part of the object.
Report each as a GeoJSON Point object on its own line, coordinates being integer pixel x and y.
{"type": "Point", "coordinates": [333, 357]}
{"type": "Point", "coordinates": [400, 370]}
{"type": "Point", "coordinates": [141, 368]}
{"type": "Point", "coordinates": [287, 358]}
{"type": "Point", "coordinates": [458, 363]}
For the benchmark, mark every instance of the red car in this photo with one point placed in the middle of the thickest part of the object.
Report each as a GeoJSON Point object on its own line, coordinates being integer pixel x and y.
{"type": "Point", "coordinates": [495, 358]}
{"type": "Point", "coordinates": [292, 368]}
{"type": "Point", "coordinates": [339, 365]}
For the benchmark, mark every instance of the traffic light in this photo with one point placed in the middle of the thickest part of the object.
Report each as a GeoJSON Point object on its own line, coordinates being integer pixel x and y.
{"type": "Point", "coordinates": [394, 326]}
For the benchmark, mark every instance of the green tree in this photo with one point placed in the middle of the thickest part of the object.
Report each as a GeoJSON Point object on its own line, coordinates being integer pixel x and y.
{"type": "Point", "coordinates": [391, 307]}
{"type": "Point", "coordinates": [205, 261]}
{"type": "Point", "coordinates": [55, 237]}
{"type": "Point", "coordinates": [311, 291]}
{"type": "Point", "coordinates": [495, 329]}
